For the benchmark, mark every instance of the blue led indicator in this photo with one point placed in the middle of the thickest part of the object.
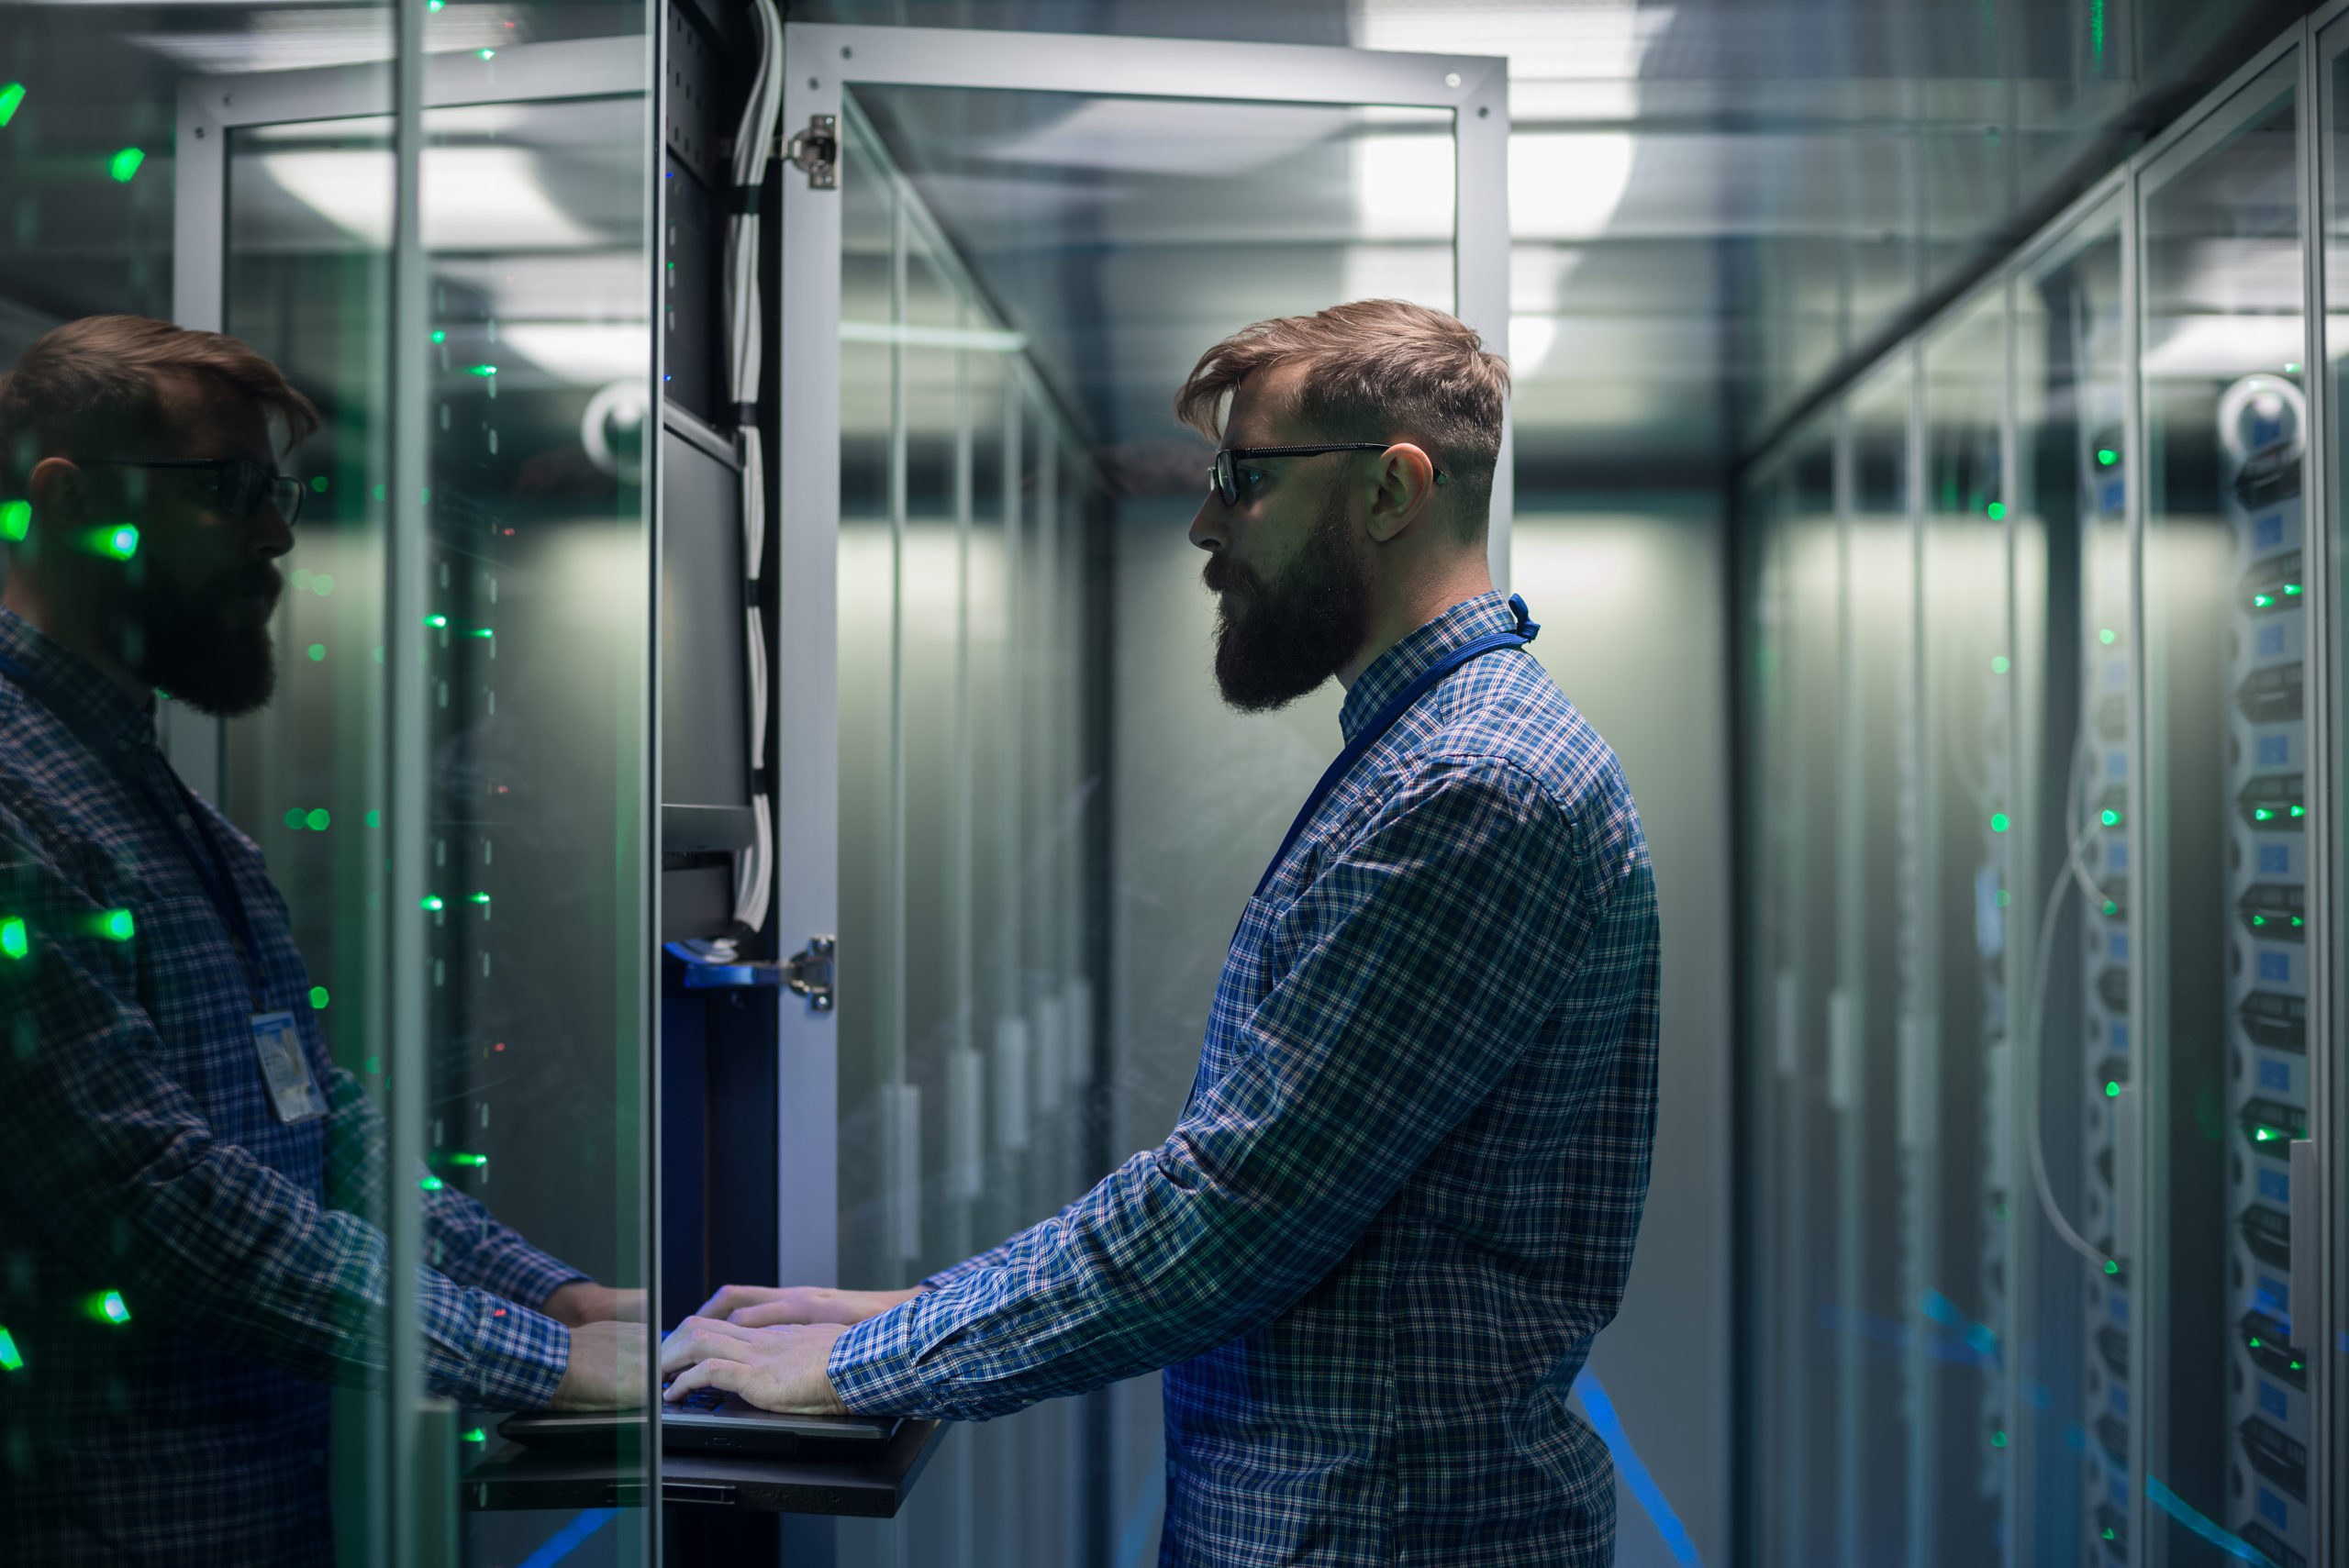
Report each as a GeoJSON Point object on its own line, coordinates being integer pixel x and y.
{"type": "Point", "coordinates": [2274, 750]}
{"type": "Point", "coordinates": [2276, 1076]}
{"type": "Point", "coordinates": [2271, 1399]}
{"type": "Point", "coordinates": [2275, 966]}
{"type": "Point", "coordinates": [2275, 859]}
{"type": "Point", "coordinates": [2271, 642]}
{"type": "Point", "coordinates": [2276, 1186]}
{"type": "Point", "coordinates": [2269, 530]}
{"type": "Point", "coordinates": [2117, 948]}
{"type": "Point", "coordinates": [2272, 1509]}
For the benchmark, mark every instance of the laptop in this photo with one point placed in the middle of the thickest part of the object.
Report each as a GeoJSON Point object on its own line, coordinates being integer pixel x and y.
{"type": "Point", "coordinates": [709, 1421]}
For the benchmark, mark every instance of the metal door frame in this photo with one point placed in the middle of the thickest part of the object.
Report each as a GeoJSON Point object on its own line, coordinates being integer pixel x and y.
{"type": "Point", "coordinates": [822, 60]}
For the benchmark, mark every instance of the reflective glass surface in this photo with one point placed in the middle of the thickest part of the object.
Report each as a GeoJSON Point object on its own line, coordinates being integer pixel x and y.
{"type": "Point", "coordinates": [2220, 1090]}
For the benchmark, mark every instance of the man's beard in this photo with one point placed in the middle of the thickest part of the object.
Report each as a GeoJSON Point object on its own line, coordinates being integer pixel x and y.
{"type": "Point", "coordinates": [1274, 644]}
{"type": "Point", "coordinates": [211, 649]}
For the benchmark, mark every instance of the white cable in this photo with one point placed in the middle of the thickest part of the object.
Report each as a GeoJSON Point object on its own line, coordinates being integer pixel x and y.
{"type": "Point", "coordinates": [745, 328]}
{"type": "Point", "coordinates": [2072, 872]}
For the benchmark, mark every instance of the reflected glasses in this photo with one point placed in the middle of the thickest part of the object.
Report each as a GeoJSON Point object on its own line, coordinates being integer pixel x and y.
{"type": "Point", "coordinates": [238, 485]}
{"type": "Point", "coordinates": [1224, 477]}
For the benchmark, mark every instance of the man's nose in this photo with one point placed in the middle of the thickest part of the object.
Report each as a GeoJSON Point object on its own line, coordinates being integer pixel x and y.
{"type": "Point", "coordinates": [1210, 528]}
{"type": "Point", "coordinates": [272, 535]}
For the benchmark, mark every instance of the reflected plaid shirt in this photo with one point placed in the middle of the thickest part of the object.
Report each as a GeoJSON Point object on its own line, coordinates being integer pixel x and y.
{"type": "Point", "coordinates": [138, 1153]}
{"type": "Point", "coordinates": [1373, 1254]}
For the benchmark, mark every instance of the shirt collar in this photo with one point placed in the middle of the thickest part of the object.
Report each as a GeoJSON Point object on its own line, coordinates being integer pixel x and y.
{"type": "Point", "coordinates": [96, 706]}
{"type": "Point", "coordinates": [1392, 671]}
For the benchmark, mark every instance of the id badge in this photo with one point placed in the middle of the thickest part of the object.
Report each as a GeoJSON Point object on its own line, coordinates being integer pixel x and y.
{"type": "Point", "coordinates": [292, 1092]}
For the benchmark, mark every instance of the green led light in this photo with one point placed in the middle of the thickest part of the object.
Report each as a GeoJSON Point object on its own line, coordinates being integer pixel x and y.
{"type": "Point", "coordinates": [373, 1064]}
{"type": "Point", "coordinates": [10, 96]}
{"type": "Point", "coordinates": [2259, 920]}
{"type": "Point", "coordinates": [2300, 811]}
{"type": "Point", "coordinates": [115, 925]}
{"type": "Point", "coordinates": [477, 1435]}
{"type": "Point", "coordinates": [481, 369]}
{"type": "Point", "coordinates": [293, 818]}
{"type": "Point", "coordinates": [321, 584]}
{"type": "Point", "coordinates": [2261, 601]}
{"type": "Point", "coordinates": [2260, 814]}
{"type": "Point", "coordinates": [107, 1307]}
{"type": "Point", "coordinates": [1999, 822]}
{"type": "Point", "coordinates": [2111, 909]}
{"type": "Point", "coordinates": [1998, 666]}
{"type": "Point", "coordinates": [439, 337]}
{"type": "Point", "coordinates": [317, 652]}
{"type": "Point", "coordinates": [318, 819]}
{"type": "Point", "coordinates": [2003, 897]}
{"type": "Point", "coordinates": [2112, 1268]}
{"type": "Point", "coordinates": [125, 163]}
{"type": "Point", "coordinates": [118, 543]}
{"type": "Point", "coordinates": [2111, 1091]}
{"type": "Point", "coordinates": [2106, 457]}
{"type": "Point", "coordinates": [481, 631]}
{"type": "Point", "coordinates": [14, 942]}
{"type": "Point", "coordinates": [1997, 509]}
{"type": "Point", "coordinates": [481, 897]}
{"type": "Point", "coordinates": [2111, 819]}
{"type": "Point", "coordinates": [15, 519]}
{"type": "Point", "coordinates": [432, 902]}
{"type": "Point", "coordinates": [431, 1184]}
{"type": "Point", "coordinates": [2290, 589]}
{"type": "Point", "coordinates": [460, 1157]}
{"type": "Point", "coordinates": [2291, 367]}
{"type": "Point", "coordinates": [318, 998]}
{"type": "Point", "coordinates": [1998, 1439]}
{"type": "Point", "coordinates": [2105, 636]}
{"type": "Point", "coordinates": [375, 820]}
{"type": "Point", "coordinates": [485, 53]}
{"type": "Point", "coordinates": [436, 620]}
{"type": "Point", "coordinates": [318, 484]}
{"type": "Point", "coordinates": [10, 1356]}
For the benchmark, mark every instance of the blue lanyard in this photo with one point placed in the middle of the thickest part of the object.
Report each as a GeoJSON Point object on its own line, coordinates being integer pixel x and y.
{"type": "Point", "coordinates": [1383, 720]}
{"type": "Point", "coordinates": [211, 869]}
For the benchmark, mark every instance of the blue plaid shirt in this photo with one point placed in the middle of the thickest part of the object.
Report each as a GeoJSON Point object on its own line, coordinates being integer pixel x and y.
{"type": "Point", "coordinates": [1373, 1254]}
{"type": "Point", "coordinates": [138, 1155]}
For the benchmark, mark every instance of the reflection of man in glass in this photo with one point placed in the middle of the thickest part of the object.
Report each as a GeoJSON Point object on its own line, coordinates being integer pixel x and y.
{"type": "Point", "coordinates": [184, 1171]}
{"type": "Point", "coordinates": [1373, 1250]}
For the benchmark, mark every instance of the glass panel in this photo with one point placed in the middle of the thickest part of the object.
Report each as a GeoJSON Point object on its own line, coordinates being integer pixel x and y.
{"type": "Point", "coordinates": [1955, 1099]}
{"type": "Point", "coordinates": [967, 1013]}
{"type": "Point", "coordinates": [1793, 684]}
{"type": "Point", "coordinates": [2224, 836]}
{"type": "Point", "coordinates": [535, 646]}
{"type": "Point", "coordinates": [1875, 1002]}
{"type": "Point", "coordinates": [2074, 1032]}
{"type": "Point", "coordinates": [2334, 50]}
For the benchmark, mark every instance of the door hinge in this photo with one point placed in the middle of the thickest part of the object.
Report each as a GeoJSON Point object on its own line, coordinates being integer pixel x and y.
{"type": "Point", "coordinates": [809, 972]}
{"type": "Point", "coordinates": [817, 151]}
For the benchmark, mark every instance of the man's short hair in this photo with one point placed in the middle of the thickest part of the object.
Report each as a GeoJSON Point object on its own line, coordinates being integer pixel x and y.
{"type": "Point", "coordinates": [1373, 368]}
{"type": "Point", "coordinates": [89, 389]}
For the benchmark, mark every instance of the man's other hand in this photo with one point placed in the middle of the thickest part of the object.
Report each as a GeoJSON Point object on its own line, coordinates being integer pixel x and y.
{"type": "Point", "coordinates": [762, 1306]}
{"type": "Point", "coordinates": [582, 1302]}
{"type": "Point", "coordinates": [776, 1368]}
{"type": "Point", "coordinates": [607, 1368]}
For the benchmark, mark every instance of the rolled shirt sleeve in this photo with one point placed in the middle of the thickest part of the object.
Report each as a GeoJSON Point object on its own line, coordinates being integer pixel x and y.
{"type": "Point", "coordinates": [1415, 967]}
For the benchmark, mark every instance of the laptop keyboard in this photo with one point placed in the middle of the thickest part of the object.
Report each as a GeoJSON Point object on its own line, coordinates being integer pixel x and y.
{"type": "Point", "coordinates": [702, 1400]}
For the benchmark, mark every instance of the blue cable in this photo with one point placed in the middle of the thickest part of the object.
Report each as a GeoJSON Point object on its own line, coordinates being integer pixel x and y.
{"type": "Point", "coordinates": [1610, 1428]}
{"type": "Point", "coordinates": [566, 1540]}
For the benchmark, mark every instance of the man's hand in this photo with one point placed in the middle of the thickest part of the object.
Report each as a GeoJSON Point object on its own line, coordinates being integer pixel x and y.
{"type": "Point", "coordinates": [777, 1369]}
{"type": "Point", "coordinates": [583, 1302]}
{"type": "Point", "coordinates": [761, 1307]}
{"type": "Point", "coordinates": [607, 1368]}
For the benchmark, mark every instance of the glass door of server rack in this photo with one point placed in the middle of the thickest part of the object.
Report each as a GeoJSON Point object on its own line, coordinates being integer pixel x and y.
{"type": "Point", "coordinates": [945, 606]}
{"type": "Point", "coordinates": [516, 1088]}
{"type": "Point", "coordinates": [2219, 1369]}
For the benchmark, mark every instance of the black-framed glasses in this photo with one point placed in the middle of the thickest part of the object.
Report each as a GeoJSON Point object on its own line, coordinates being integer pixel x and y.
{"type": "Point", "coordinates": [239, 484]}
{"type": "Point", "coordinates": [1224, 477]}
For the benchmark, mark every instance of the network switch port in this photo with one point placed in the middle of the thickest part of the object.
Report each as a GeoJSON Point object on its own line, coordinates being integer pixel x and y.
{"type": "Point", "coordinates": [2260, 1539]}
{"type": "Point", "coordinates": [2271, 1126]}
{"type": "Point", "coordinates": [2112, 1344]}
{"type": "Point", "coordinates": [2270, 696]}
{"type": "Point", "coordinates": [2275, 912]}
{"type": "Point", "coordinates": [2278, 1455]}
{"type": "Point", "coordinates": [2113, 1526]}
{"type": "Point", "coordinates": [2268, 477]}
{"type": "Point", "coordinates": [2270, 1349]}
{"type": "Point", "coordinates": [2272, 584]}
{"type": "Point", "coordinates": [2274, 1020]}
{"type": "Point", "coordinates": [2112, 716]}
{"type": "Point", "coordinates": [2112, 989]}
{"type": "Point", "coordinates": [2276, 802]}
{"type": "Point", "coordinates": [2268, 1233]}
{"type": "Point", "coordinates": [2112, 1434]}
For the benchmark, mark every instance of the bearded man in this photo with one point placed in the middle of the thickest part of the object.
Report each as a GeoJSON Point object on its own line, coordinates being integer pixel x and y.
{"type": "Point", "coordinates": [176, 1147]}
{"type": "Point", "coordinates": [1373, 1254]}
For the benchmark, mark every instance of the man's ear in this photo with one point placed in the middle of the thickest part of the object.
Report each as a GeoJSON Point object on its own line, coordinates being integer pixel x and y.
{"type": "Point", "coordinates": [1404, 492]}
{"type": "Point", "coordinates": [59, 489]}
